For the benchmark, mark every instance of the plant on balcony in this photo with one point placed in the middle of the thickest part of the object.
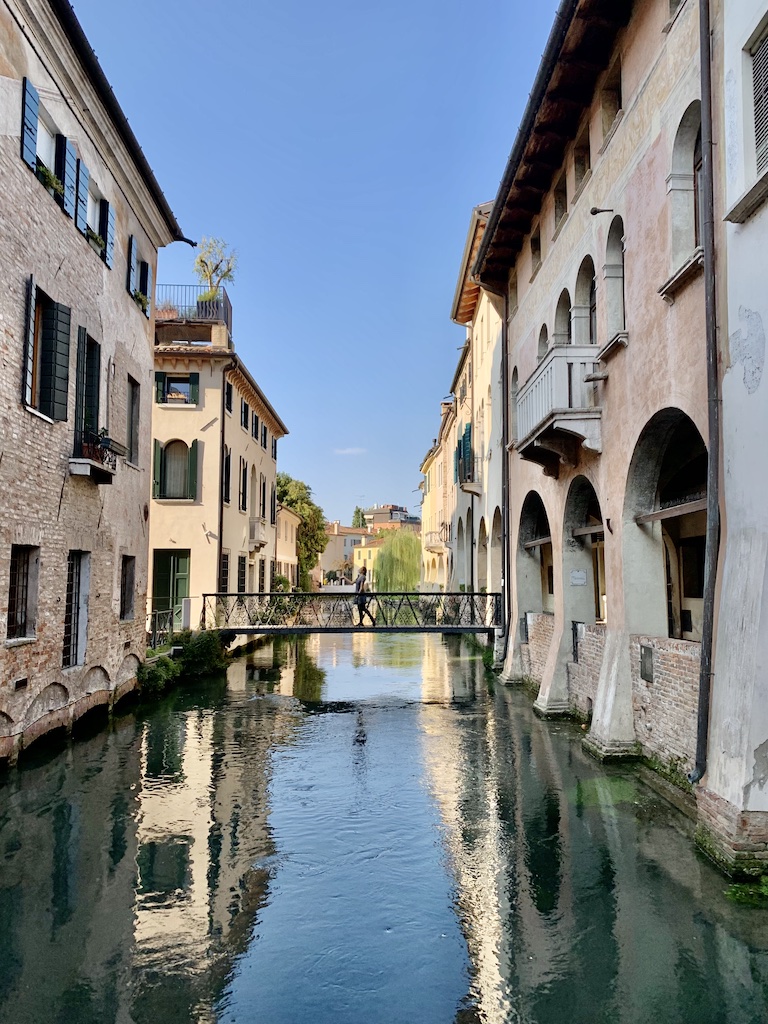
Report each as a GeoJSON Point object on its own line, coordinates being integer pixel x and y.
{"type": "Point", "coordinates": [95, 238]}
{"type": "Point", "coordinates": [214, 264]}
{"type": "Point", "coordinates": [49, 179]}
{"type": "Point", "coordinates": [141, 300]}
{"type": "Point", "coordinates": [166, 311]}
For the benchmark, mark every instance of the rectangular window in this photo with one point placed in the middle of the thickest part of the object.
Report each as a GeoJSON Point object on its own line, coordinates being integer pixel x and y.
{"type": "Point", "coordinates": [611, 99]}
{"type": "Point", "coordinates": [134, 405]}
{"type": "Point", "coordinates": [274, 448]}
{"type": "Point", "coordinates": [561, 200]}
{"type": "Point", "coordinates": [245, 414]}
{"type": "Point", "coordinates": [535, 250]}
{"type": "Point", "coordinates": [22, 591]}
{"type": "Point", "coordinates": [228, 396]}
{"type": "Point", "coordinates": [242, 503]}
{"type": "Point", "coordinates": [272, 571]}
{"type": "Point", "coordinates": [760, 93]}
{"type": "Point", "coordinates": [45, 383]}
{"type": "Point", "coordinates": [255, 426]}
{"type": "Point", "coordinates": [273, 506]}
{"type": "Point", "coordinates": [76, 609]}
{"type": "Point", "coordinates": [262, 496]}
{"type": "Point", "coordinates": [261, 575]}
{"type": "Point", "coordinates": [87, 393]}
{"type": "Point", "coordinates": [226, 485]}
{"type": "Point", "coordinates": [582, 162]}
{"type": "Point", "coordinates": [177, 388]}
{"type": "Point", "coordinates": [264, 436]}
{"type": "Point", "coordinates": [241, 566]}
{"type": "Point", "coordinates": [127, 587]}
{"type": "Point", "coordinates": [224, 573]}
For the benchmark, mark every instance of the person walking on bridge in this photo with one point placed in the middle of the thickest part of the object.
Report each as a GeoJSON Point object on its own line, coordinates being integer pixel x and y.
{"type": "Point", "coordinates": [361, 586]}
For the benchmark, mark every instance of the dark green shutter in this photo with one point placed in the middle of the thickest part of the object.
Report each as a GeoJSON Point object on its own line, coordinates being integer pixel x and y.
{"type": "Point", "coordinates": [66, 172]}
{"type": "Point", "coordinates": [159, 387]}
{"type": "Point", "coordinates": [92, 384]}
{"type": "Point", "coordinates": [145, 285]}
{"type": "Point", "coordinates": [456, 463]}
{"type": "Point", "coordinates": [54, 361]}
{"type": "Point", "coordinates": [81, 207]}
{"type": "Point", "coordinates": [29, 344]}
{"type": "Point", "coordinates": [131, 281]}
{"type": "Point", "coordinates": [107, 231]}
{"type": "Point", "coordinates": [467, 447]}
{"type": "Point", "coordinates": [157, 460]}
{"type": "Point", "coordinates": [30, 104]}
{"type": "Point", "coordinates": [82, 344]}
{"type": "Point", "coordinates": [194, 388]}
{"type": "Point", "coordinates": [192, 476]}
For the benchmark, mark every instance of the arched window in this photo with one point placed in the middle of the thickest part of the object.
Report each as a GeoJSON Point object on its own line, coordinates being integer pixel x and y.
{"type": "Point", "coordinates": [543, 342]}
{"type": "Point", "coordinates": [175, 470]}
{"type": "Point", "coordinates": [584, 313]}
{"type": "Point", "coordinates": [563, 333]}
{"type": "Point", "coordinates": [613, 273]}
{"type": "Point", "coordinates": [683, 186]}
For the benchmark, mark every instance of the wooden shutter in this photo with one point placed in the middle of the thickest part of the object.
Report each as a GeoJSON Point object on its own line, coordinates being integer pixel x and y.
{"type": "Point", "coordinates": [107, 231]}
{"type": "Point", "coordinates": [30, 105]}
{"type": "Point", "coordinates": [159, 387]}
{"type": "Point", "coordinates": [82, 344]}
{"type": "Point", "coordinates": [145, 285]}
{"type": "Point", "coordinates": [81, 201]}
{"type": "Point", "coordinates": [192, 475]}
{"type": "Point", "coordinates": [54, 361]}
{"type": "Point", "coordinates": [194, 388]}
{"type": "Point", "coordinates": [66, 171]}
{"type": "Point", "coordinates": [131, 282]}
{"type": "Point", "coordinates": [227, 472]}
{"type": "Point", "coordinates": [157, 465]}
{"type": "Point", "coordinates": [760, 86]}
{"type": "Point", "coordinates": [29, 344]}
{"type": "Point", "coordinates": [92, 384]}
{"type": "Point", "coordinates": [467, 447]}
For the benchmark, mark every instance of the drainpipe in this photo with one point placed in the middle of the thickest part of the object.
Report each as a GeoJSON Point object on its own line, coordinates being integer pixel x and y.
{"type": "Point", "coordinates": [712, 538]}
{"type": "Point", "coordinates": [506, 588]}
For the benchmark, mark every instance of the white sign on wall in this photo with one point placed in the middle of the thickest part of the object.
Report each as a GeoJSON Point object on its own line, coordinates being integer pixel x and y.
{"type": "Point", "coordinates": [578, 577]}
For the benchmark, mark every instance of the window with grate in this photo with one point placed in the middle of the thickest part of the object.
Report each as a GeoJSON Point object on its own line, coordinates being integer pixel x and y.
{"type": "Point", "coordinates": [255, 426]}
{"type": "Point", "coordinates": [21, 592]}
{"type": "Point", "coordinates": [241, 566]}
{"type": "Point", "coordinates": [127, 587]}
{"type": "Point", "coordinates": [262, 574]}
{"type": "Point", "coordinates": [245, 414]}
{"type": "Point", "coordinates": [224, 573]}
{"type": "Point", "coordinates": [75, 609]}
{"type": "Point", "coordinates": [228, 395]}
{"type": "Point", "coordinates": [760, 90]}
{"type": "Point", "coordinates": [264, 436]}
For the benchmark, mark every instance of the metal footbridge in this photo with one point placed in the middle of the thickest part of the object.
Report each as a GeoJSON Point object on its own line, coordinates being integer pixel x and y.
{"type": "Point", "coordinates": [337, 612]}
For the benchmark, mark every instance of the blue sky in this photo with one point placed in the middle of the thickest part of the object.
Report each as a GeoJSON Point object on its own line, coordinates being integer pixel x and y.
{"type": "Point", "coordinates": [340, 148]}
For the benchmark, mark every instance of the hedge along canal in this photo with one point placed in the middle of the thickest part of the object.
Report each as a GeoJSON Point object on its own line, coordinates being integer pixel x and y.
{"type": "Point", "coordinates": [357, 828]}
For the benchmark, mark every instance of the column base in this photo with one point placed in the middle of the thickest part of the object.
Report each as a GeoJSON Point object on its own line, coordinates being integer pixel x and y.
{"type": "Point", "coordinates": [737, 841]}
{"type": "Point", "coordinates": [551, 709]}
{"type": "Point", "coordinates": [611, 750]}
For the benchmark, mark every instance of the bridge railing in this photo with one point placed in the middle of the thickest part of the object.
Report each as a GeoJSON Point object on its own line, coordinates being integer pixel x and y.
{"type": "Point", "coordinates": [326, 610]}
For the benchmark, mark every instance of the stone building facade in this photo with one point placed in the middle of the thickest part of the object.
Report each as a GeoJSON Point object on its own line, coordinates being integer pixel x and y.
{"type": "Point", "coordinates": [81, 220]}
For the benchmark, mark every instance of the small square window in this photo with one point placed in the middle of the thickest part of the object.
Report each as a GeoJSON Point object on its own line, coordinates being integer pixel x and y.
{"type": "Point", "coordinates": [22, 592]}
{"type": "Point", "coordinates": [646, 663]}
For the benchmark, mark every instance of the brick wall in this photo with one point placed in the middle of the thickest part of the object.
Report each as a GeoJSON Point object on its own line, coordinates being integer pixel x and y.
{"type": "Point", "coordinates": [534, 654]}
{"type": "Point", "coordinates": [737, 839]}
{"type": "Point", "coordinates": [584, 675]}
{"type": "Point", "coordinates": [665, 710]}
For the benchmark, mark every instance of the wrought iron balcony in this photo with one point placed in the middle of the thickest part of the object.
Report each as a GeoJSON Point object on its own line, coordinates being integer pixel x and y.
{"type": "Point", "coordinates": [257, 533]}
{"type": "Point", "coordinates": [557, 408]}
{"type": "Point", "coordinates": [95, 456]}
{"type": "Point", "coordinates": [190, 302]}
{"type": "Point", "coordinates": [471, 474]}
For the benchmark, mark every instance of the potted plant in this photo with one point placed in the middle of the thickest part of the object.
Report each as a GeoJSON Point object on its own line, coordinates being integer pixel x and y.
{"type": "Point", "coordinates": [49, 179]}
{"type": "Point", "coordinates": [141, 300]}
{"type": "Point", "coordinates": [215, 263]}
{"type": "Point", "coordinates": [96, 241]}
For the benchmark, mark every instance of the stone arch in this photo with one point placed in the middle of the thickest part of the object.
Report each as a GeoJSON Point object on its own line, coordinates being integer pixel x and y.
{"type": "Point", "coordinates": [584, 310]}
{"type": "Point", "coordinates": [95, 679]}
{"type": "Point", "coordinates": [543, 346]}
{"type": "Point", "coordinates": [584, 591]}
{"type": "Point", "coordinates": [53, 698]}
{"type": "Point", "coordinates": [563, 332]}
{"type": "Point", "coordinates": [482, 557]}
{"type": "Point", "coordinates": [535, 583]}
{"type": "Point", "coordinates": [613, 274]}
{"type": "Point", "coordinates": [664, 525]}
{"type": "Point", "coordinates": [129, 668]}
{"type": "Point", "coordinates": [6, 724]}
{"type": "Point", "coordinates": [441, 566]}
{"type": "Point", "coordinates": [495, 553]}
{"type": "Point", "coordinates": [682, 185]}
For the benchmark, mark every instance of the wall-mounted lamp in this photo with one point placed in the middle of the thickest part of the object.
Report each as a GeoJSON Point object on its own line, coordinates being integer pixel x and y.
{"type": "Point", "coordinates": [598, 209]}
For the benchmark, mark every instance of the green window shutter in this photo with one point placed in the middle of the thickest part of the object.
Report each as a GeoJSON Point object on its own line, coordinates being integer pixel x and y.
{"type": "Point", "coordinates": [30, 103]}
{"type": "Point", "coordinates": [467, 445]}
{"type": "Point", "coordinates": [145, 285]}
{"type": "Point", "coordinates": [81, 202]}
{"type": "Point", "coordinates": [54, 361]}
{"type": "Point", "coordinates": [159, 387]}
{"type": "Point", "coordinates": [107, 231]}
{"type": "Point", "coordinates": [66, 172]}
{"type": "Point", "coordinates": [82, 341]}
{"type": "Point", "coordinates": [131, 279]}
{"type": "Point", "coordinates": [93, 384]}
{"type": "Point", "coordinates": [192, 476]}
{"type": "Point", "coordinates": [194, 388]}
{"type": "Point", "coordinates": [456, 463]}
{"type": "Point", "coordinates": [29, 344]}
{"type": "Point", "coordinates": [157, 460]}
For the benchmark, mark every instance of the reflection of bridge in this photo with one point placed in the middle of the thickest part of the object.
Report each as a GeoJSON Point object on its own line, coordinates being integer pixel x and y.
{"type": "Point", "coordinates": [329, 612]}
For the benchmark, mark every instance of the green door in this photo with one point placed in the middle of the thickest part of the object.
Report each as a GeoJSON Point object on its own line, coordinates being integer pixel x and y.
{"type": "Point", "coordinates": [170, 582]}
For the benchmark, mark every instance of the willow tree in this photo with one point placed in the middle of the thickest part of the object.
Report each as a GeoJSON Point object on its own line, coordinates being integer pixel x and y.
{"type": "Point", "coordinates": [398, 566]}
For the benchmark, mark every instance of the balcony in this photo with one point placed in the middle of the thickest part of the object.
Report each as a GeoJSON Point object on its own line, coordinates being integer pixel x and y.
{"type": "Point", "coordinates": [436, 541]}
{"type": "Point", "coordinates": [257, 533]}
{"type": "Point", "coordinates": [191, 303]}
{"type": "Point", "coordinates": [95, 456]}
{"type": "Point", "coordinates": [470, 474]}
{"type": "Point", "coordinates": [557, 409]}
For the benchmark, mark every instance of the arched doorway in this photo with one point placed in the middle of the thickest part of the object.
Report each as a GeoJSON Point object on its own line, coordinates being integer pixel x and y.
{"type": "Point", "coordinates": [482, 558]}
{"type": "Point", "coordinates": [535, 585]}
{"type": "Point", "coordinates": [585, 305]}
{"type": "Point", "coordinates": [469, 568]}
{"type": "Point", "coordinates": [496, 568]}
{"type": "Point", "coordinates": [563, 319]}
{"type": "Point", "coordinates": [613, 272]}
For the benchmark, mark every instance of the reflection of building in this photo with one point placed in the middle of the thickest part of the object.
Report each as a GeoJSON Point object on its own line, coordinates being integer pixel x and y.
{"type": "Point", "coordinates": [214, 504]}
{"type": "Point", "coordinates": [81, 220]}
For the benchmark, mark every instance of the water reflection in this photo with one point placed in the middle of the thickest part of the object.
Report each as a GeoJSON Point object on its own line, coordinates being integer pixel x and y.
{"type": "Point", "coordinates": [355, 828]}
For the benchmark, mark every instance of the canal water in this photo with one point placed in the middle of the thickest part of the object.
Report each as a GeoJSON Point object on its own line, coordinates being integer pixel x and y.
{"type": "Point", "coordinates": [357, 830]}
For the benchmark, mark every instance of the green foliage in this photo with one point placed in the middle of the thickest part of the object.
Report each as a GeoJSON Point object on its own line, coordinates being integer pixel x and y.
{"type": "Point", "coordinates": [750, 895]}
{"type": "Point", "coordinates": [398, 566]}
{"type": "Point", "coordinates": [48, 178]}
{"type": "Point", "coordinates": [141, 300]}
{"type": "Point", "coordinates": [202, 653]}
{"type": "Point", "coordinates": [358, 519]}
{"type": "Point", "coordinates": [215, 263]}
{"type": "Point", "coordinates": [281, 583]}
{"type": "Point", "coordinates": [155, 676]}
{"type": "Point", "coordinates": [311, 538]}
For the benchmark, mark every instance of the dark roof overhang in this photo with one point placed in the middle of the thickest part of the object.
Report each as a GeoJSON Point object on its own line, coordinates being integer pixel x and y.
{"type": "Point", "coordinates": [578, 50]}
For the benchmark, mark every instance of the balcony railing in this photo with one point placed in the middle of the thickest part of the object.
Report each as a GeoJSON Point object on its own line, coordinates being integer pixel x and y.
{"type": "Point", "coordinates": [257, 533]}
{"type": "Point", "coordinates": [193, 302]}
{"type": "Point", "coordinates": [471, 473]}
{"type": "Point", "coordinates": [557, 386]}
{"type": "Point", "coordinates": [95, 455]}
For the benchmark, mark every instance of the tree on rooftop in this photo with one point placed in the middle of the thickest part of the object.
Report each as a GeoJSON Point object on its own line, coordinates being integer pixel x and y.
{"type": "Point", "coordinates": [311, 538]}
{"type": "Point", "coordinates": [215, 263]}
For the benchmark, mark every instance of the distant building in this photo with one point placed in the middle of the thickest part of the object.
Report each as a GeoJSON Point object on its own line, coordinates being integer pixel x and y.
{"type": "Point", "coordinates": [338, 556]}
{"type": "Point", "coordinates": [366, 554]}
{"type": "Point", "coordinates": [215, 436]}
{"type": "Point", "coordinates": [388, 517]}
{"type": "Point", "coordinates": [286, 554]}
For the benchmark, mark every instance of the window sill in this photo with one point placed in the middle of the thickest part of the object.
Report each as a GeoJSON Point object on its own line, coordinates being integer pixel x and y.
{"type": "Point", "coordinates": [750, 202]}
{"type": "Point", "coordinates": [40, 415]}
{"type": "Point", "coordinates": [582, 185]}
{"type": "Point", "coordinates": [127, 621]}
{"type": "Point", "coordinates": [617, 342]}
{"type": "Point", "coordinates": [20, 641]}
{"type": "Point", "coordinates": [611, 131]}
{"type": "Point", "coordinates": [692, 267]}
{"type": "Point", "coordinates": [176, 501]}
{"type": "Point", "coordinates": [668, 26]}
{"type": "Point", "coordinates": [177, 405]}
{"type": "Point", "coordinates": [132, 465]}
{"type": "Point", "coordinates": [536, 269]}
{"type": "Point", "coordinates": [560, 226]}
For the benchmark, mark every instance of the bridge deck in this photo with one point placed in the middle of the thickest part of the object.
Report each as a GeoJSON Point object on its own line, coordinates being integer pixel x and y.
{"type": "Point", "coordinates": [339, 612]}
